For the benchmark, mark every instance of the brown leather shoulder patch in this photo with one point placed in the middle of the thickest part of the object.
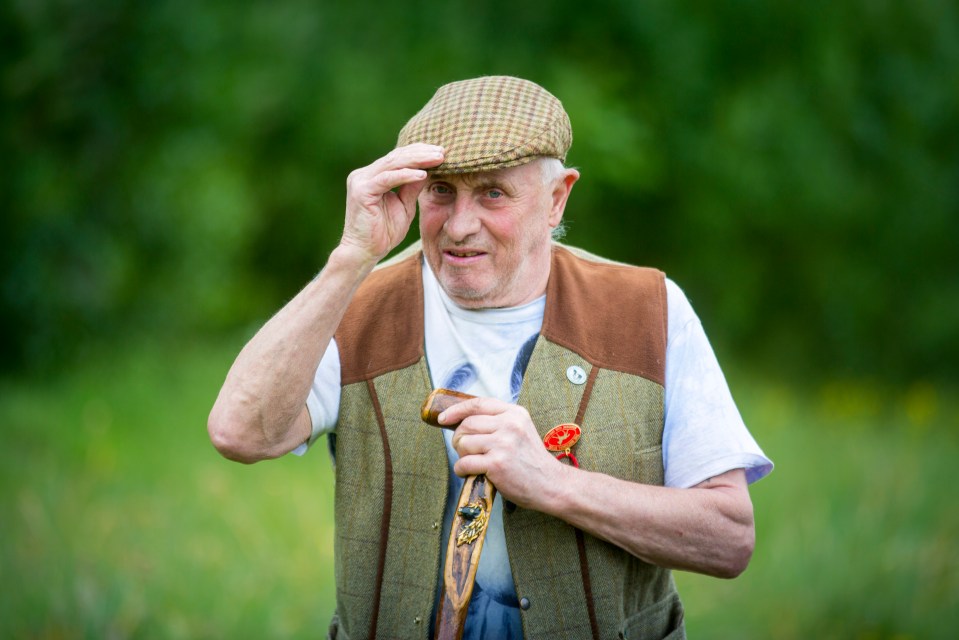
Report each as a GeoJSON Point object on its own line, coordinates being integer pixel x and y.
{"type": "Point", "coordinates": [613, 315]}
{"type": "Point", "coordinates": [382, 330]}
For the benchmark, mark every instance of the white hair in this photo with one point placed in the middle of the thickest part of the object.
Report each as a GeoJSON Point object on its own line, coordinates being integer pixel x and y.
{"type": "Point", "coordinates": [551, 170]}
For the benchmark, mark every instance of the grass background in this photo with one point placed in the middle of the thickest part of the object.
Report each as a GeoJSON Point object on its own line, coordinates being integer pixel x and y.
{"type": "Point", "coordinates": [118, 519]}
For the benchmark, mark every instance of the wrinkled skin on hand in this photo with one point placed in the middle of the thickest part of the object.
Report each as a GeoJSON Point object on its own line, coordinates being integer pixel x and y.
{"type": "Point", "coordinates": [499, 439]}
{"type": "Point", "coordinates": [381, 199]}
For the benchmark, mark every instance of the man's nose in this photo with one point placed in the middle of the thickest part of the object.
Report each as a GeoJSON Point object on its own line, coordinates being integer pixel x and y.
{"type": "Point", "coordinates": [462, 221]}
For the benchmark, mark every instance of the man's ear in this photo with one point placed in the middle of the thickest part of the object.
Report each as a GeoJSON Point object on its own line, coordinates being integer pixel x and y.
{"type": "Point", "coordinates": [560, 195]}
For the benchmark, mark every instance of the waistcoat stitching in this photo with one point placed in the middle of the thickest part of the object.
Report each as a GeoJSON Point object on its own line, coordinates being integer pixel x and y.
{"type": "Point", "coordinates": [580, 536]}
{"type": "Point", "coordinates": [587, 393]}
{"type": "Point", "coordinates": [387, 506]}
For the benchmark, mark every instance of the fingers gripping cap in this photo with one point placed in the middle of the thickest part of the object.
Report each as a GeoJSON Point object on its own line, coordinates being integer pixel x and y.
{"type": "Point", "coordinates": [491, 123]}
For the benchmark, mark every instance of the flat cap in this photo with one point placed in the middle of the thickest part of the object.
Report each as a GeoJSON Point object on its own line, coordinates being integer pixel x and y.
{"type": "Point", "coordinates": [491, 123]}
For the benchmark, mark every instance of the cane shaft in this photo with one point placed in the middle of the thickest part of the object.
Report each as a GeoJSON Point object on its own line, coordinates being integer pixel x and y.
{"type": "Point", "coordinates": [462, 557]}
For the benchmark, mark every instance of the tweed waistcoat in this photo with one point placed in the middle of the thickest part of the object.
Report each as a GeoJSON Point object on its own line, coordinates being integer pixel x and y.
{"type": "Point", "coordinates": [392, 472]}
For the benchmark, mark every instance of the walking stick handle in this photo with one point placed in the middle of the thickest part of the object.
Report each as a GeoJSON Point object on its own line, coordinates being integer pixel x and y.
{"type": "Point", "coordinates": [466, 535]}
{"type": "Point", "coordinates": [439, 401]}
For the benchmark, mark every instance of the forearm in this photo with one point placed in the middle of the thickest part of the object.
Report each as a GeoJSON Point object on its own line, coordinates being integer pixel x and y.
{"type": "Point", "coordinates": [261, 411]}
{"type": "Point", "coordinates": [707, 529]}
{"type": "Point", "coordinates": [257, 414]}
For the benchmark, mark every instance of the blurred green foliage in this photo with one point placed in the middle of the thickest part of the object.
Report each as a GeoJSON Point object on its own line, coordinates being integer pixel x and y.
{"type": "Point", "coordinates": [119, 520]}
{"type": "Point", "coordinates": [178, 167]}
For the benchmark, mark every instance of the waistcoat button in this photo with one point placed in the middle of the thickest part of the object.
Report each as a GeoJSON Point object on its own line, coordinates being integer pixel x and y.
{"type": "Point", "coordinates": [524, 604]}
{"type": "Point", "coordinates": [576, 374]}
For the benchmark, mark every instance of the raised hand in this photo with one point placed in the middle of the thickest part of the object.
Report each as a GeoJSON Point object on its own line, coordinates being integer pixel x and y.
{"type": "Point", "coordinates": [381, 199]}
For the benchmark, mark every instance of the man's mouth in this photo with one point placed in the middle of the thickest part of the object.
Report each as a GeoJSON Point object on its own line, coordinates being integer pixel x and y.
{"type": "Point", "coordinates": [463, 254]}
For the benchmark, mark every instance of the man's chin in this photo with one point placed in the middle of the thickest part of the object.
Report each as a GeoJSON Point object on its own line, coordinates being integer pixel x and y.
{"type": "Point", "coordinates": [467, 297]}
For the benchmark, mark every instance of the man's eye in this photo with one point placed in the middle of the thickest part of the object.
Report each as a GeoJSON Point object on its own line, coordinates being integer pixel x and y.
{"type": "Point", "coordinates": [494, 193]}
{"type": "Point", "coordinates": [441, 189]}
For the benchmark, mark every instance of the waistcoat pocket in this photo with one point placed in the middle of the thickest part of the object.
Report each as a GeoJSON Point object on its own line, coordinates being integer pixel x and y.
{"type": "Point", "coordinates": [660, 621]}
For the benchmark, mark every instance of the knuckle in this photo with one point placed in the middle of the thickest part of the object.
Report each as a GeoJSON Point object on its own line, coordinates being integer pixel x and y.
{"type": "Point", "coordinates": [352, 178]}
{"type": "Point", "coordinates": [496, 465]}
{"type": "Point", "coordinates": [522, 412]}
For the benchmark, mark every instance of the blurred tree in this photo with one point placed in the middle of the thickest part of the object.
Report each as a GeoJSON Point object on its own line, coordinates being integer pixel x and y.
{"type": "Point", "coordinates": [174, 166]}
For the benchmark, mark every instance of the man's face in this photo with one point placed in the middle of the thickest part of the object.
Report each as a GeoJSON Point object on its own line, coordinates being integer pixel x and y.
{"type": "Point", "coordinates": [486, 235]}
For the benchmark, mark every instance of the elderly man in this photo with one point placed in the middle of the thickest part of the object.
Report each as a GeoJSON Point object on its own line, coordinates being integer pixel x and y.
{"type": "Point", "coordinates": [579, 544]}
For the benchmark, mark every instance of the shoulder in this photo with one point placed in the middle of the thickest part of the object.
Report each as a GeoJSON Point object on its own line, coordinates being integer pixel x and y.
{"type": "Point", "coordinates": [681, 315]}
{"type": "Point", "coordinates": [588, 256]}
{"type": "Point", "coordinates": [655, 285]}
{"type": "Point", "coordinates": [596, 270]}
{"type": "Point", "coordinates": [393, 283]}
{"type": "Point", "coordinates": [379, 331]}
{"type": "Point", "coordinates": [412, 251]}
{"type": "Point", "coordinates": [612, 313]}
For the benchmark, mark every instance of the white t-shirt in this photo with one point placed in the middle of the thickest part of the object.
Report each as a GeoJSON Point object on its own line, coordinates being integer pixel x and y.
{"type": "Point", "coordinates": [472, 351]}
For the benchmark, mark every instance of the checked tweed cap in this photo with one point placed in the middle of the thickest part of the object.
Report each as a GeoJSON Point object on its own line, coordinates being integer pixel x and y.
{"type": "Point", "coordinates": [491, 123]}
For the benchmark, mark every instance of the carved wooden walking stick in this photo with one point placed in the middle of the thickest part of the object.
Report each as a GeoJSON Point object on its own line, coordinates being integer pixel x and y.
{"type": "Point", "coordinates": [466, 535]}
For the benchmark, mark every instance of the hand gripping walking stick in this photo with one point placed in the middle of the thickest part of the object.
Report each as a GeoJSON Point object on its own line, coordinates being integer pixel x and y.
{"type": "Point", "coordinates": [466, 535]}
